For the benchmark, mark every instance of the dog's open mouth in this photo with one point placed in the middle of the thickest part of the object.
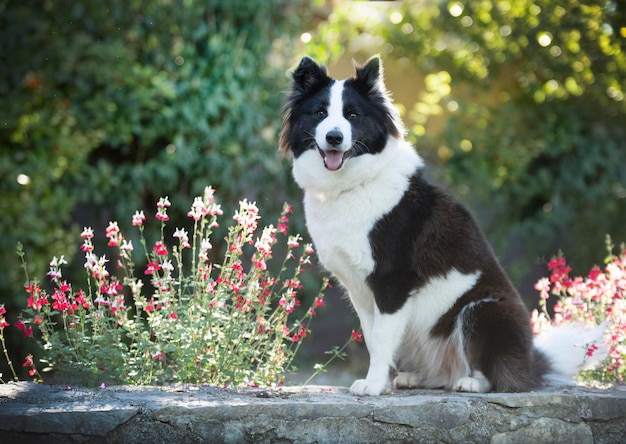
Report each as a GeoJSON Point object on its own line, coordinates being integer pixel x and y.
{"type": "Point", "coordinates": [333, 159]}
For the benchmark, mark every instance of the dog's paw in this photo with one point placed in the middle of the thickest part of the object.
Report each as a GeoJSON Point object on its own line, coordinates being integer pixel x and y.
{"type": "Point", "coordinates": [477, 383]}
{"type": "Point", "coordinates": [362, 387]}
{"type": "Point", "coordinates": [406, 380]}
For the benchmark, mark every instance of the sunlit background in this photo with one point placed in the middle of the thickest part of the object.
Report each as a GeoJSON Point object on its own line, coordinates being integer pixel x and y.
{"type": "Point", "coordinates": [517, 106]}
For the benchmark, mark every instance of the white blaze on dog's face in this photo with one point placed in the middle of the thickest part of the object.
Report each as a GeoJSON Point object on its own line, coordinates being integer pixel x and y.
{"type": "Point", "coordinates": [331, 121]}
{"type": "Point", "coordinates": [333, 135]}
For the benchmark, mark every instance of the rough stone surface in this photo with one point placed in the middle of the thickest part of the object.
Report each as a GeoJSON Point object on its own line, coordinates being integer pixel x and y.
{"type": "Point", "coordinates": [51, 414]}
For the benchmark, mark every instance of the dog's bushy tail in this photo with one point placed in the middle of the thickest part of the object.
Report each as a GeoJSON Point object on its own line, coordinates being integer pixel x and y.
{"type": "Point", "coordinates": [567, 347]}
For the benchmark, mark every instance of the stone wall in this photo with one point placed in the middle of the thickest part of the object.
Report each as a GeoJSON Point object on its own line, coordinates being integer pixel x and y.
{"type": "Point", "coordinates": [51, 414]}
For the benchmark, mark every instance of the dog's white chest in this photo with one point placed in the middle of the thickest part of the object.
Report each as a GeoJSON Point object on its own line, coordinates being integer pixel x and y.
{"type": "Point", "coordinates": [343, 206]}
{"type": "Point", "coordinates": [340, 231]}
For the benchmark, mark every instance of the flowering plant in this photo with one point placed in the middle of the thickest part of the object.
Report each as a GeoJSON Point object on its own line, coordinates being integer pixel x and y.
{"type": "Point", "coordinates": [225, 323]}
{"type": "Point", "coordinates": [589, 301]}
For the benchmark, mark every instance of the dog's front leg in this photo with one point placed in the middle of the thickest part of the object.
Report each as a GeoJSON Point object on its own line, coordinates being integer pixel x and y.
{"type": "Point", "coordinates": [383, 340]}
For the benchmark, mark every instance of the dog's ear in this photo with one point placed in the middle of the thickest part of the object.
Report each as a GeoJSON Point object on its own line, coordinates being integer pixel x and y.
{"type": "Point", "coordinates": [308, 74]}
{"type": "Point", "coordinates": [371, 74]}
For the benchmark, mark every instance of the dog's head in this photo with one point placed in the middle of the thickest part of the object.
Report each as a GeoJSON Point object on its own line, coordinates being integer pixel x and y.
{"type": "Point", "coordinates": [338, 119]}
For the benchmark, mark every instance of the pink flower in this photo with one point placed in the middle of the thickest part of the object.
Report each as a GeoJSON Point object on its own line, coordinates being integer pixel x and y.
{"type": "Point", "coordinates": [247, 216]}
{"type": "Point", "coordinates": [126, 246]}
{"type": "Point", "coordinates": [3, 321]}
{"type": "Point", "coordinates": [87, 246]}
{"type": "Point", "coordinates": [264, 244]}
{"type": "Point", "coordinates": [138, 218]}
{"type": "Point", "coordinates": [163, 202]}
{"type": "Point", "coordinates": [55, 272]}
{"type": "Point", "coordinates": [162, 206]}
{"type": "Point", "coordinates": [293, 241]}
{"type": "Point", "coordinates": [112, 229]}
{"type": "Point", "coordinates": [543, 286]}
{"type": "Point", "coordinates": [87, 233]}
{"type": "Point", "coordinates": [112, 233]}
{"type": "Point", "coordinates": [183, 237]}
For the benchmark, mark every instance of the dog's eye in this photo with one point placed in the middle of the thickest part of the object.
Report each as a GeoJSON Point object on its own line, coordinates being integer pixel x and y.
{"type": "Point", "coordinates": [321, 112]}
{"type": "Point", "coordinates": [353, 115]}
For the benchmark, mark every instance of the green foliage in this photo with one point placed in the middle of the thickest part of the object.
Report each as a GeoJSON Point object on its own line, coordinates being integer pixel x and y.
{"type": "Point", "coordinates": [532, 96]}
{"type": "Point", "coordinates": [107, 105]}
{"type": "Point", "coordinates": [229, 321]}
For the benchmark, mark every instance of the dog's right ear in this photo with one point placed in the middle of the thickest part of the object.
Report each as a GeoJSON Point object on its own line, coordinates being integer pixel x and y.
{"type": "Point", "coordinates": [308, 74]}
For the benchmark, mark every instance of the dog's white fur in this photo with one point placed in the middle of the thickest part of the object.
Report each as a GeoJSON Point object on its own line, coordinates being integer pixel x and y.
{"type": "Point", "coordinates": [341, 209]}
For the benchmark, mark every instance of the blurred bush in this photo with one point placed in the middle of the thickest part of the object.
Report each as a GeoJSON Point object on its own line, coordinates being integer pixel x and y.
{"type": "Point", "coordinates": [529, 97]}
{"type": "Point", "coordinates": [107, 106]}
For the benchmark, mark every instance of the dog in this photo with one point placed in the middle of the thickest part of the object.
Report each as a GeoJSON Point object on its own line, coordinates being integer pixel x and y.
{"type": "Point", "coordinates": [436, 308]}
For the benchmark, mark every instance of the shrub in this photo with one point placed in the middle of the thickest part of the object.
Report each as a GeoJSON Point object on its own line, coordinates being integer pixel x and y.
{"type": "Point", "coordinates": [229, 322]}
{"type": "Point", "coordinates": [589, 301]}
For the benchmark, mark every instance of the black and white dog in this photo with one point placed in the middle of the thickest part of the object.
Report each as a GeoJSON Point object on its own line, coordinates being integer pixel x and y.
{"type": "Point", "coordinates": [436, 308]}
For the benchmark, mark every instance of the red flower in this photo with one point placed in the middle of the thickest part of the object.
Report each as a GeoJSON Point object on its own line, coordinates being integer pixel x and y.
{"type": "Point", "coordinates": [591, 349]}
{"type": "Point", "coordinates": [26, 330]}
{"type": "Point", "coordinates": [152, 267]}
{"type": "Point", "coordinates": [560, 271]}
{"type": "Point", "coordinates": [594, 273]}
{"type": "Point", "coordinates": [149, 306]}
{"type": "Point", "coordinates": [357, 336]}
{"type": "Point", "coordinates": [80, 299]}
{"type": "Point", "coordinates": [36, 303]}
{"type": "Point", "coordinates": [65, 287]}
{"type": "Point", "coordinates": [160, 248]}
{"type": "Point", "coordinates": [28, 362]}
{"type": "Point", "coordinates": [61, 302]}
{"type": "Point", "coordinates": [3, 322]}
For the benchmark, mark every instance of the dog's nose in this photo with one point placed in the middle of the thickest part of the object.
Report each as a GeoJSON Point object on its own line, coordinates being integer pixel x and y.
{"type": "Point", "coordinates": [334, 137]}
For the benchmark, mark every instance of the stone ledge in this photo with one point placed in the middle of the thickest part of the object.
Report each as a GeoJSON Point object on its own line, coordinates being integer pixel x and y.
{"type": "Point", "coordinates": [52, 414]}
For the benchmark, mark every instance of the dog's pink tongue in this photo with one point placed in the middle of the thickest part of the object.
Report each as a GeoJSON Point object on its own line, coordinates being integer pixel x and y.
{"type": "Point", "coordinates": [332, 159]}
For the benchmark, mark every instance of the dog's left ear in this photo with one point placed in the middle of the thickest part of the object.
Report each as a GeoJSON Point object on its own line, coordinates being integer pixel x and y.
{"type": "Point", "coordinates": [371, 73]}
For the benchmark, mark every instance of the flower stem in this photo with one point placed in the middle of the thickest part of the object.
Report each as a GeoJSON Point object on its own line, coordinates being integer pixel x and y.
{"type": "Point", "coordinates": [6, 355]}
